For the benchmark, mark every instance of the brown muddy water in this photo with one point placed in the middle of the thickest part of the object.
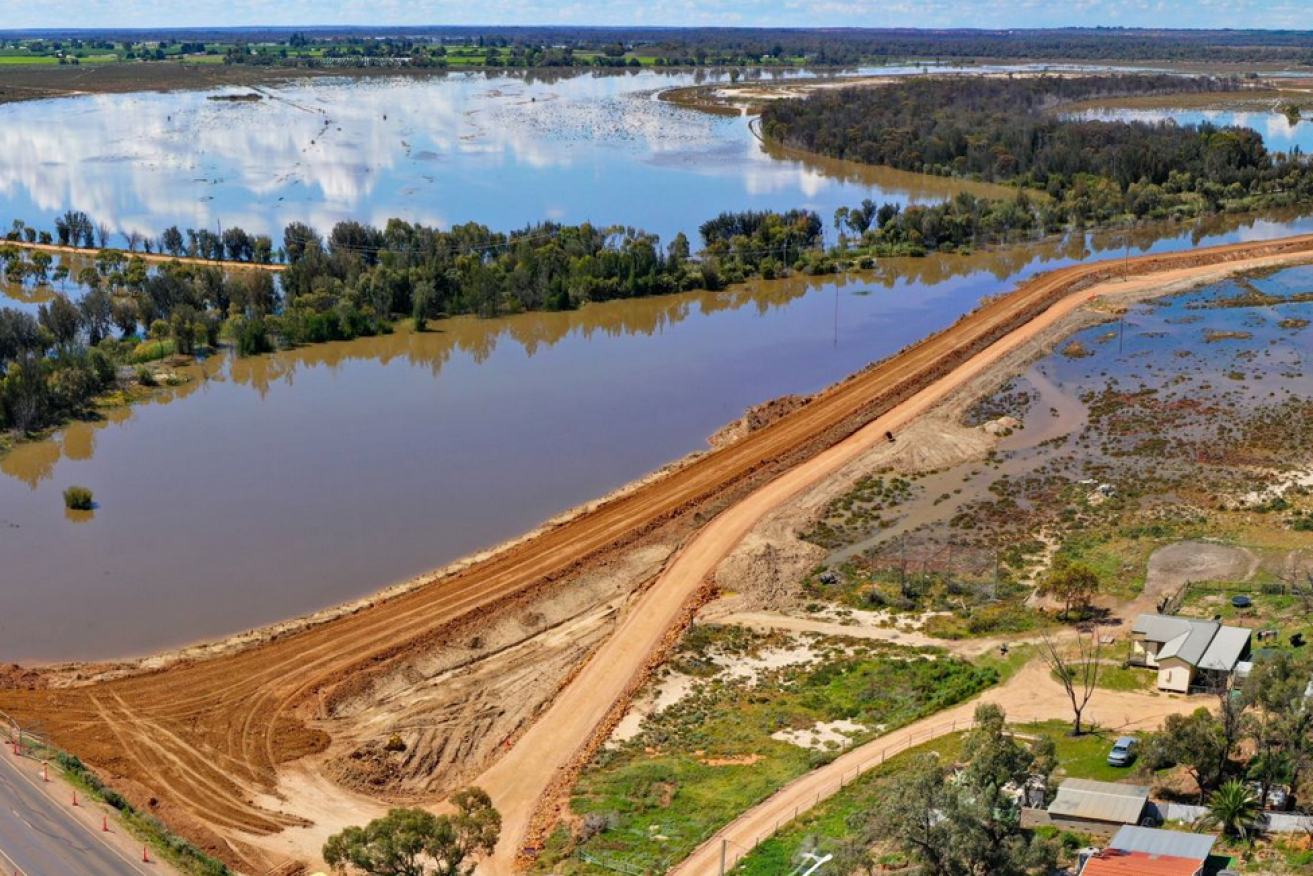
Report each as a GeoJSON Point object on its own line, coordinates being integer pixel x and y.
{"type": "Point", "coordinates": [273, 486]}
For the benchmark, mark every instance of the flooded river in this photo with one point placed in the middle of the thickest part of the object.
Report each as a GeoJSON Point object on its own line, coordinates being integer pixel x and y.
{"type": "Point", "coordinates": [506, 150]}
{"type": "Point", "coordinates": [272, 486]}
{"type": "Point", "coordinates": [1280, 134]}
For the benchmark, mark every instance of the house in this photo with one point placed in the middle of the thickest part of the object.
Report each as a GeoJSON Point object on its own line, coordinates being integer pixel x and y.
{"type": "Point", "coordinates": [1188, 653]}
{"type": "Point", "coordinates": [1097, 807]}
{"type": "Point", "coordinates": [1146, 851]}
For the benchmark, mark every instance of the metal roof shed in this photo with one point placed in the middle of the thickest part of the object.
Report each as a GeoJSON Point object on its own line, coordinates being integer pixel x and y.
{"type": "Point", "coordinates": [1109, 802]}
{"type": "Point", "coordinates": [1171, 843]}
{"type": "Point", "coordinates": [1117, 863]}
{"type": "Point", "coordinates": [1226, 649]}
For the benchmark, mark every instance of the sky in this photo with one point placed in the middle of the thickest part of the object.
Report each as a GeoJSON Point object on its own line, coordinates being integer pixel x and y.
{"type": "Point", "coordinates": [17, 14]}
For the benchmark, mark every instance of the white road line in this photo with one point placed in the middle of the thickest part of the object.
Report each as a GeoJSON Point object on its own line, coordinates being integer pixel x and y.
{"type": "Point", "coordinates": [11, 866]}
{"type": "Point", "coordinates": [106, 843]}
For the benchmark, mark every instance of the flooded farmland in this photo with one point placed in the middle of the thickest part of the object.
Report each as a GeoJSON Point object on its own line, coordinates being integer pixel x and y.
{"type": "Point", "coordinates": [1149, 427]}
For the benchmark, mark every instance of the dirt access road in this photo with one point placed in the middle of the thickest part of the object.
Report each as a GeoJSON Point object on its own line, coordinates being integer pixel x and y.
{"type": "Point", "coordinates": [1030, 695]}
{"type": "Point", "coordinates": [531, 783]}
{"type": "Point", "coordinates": [198, 741]}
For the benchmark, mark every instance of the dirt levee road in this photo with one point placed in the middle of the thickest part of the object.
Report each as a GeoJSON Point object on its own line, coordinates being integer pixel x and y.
{"type": "Point", "coordinates": [198, 741]}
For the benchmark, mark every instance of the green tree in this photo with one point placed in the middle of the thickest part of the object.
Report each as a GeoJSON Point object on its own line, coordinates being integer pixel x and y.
{"type": "Point", "coordinates": [1196, 742]}
{"type": "Point", "coordinates": [1075, 584]}
{"type": "Point", "coordinates": [1282, 722]}
{"type": "Point", "coordinates": [413, 842]}
{"type": "Point", "coordinates": [62, 318]}
{"type": "Point", "coordinates": [967, 824]}
{"type": "Point", "coordinates": [1233, 809]}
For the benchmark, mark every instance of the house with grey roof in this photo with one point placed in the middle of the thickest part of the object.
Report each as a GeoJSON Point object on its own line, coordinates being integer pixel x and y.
{"type": "Point", "coordinates": [1188, 653]}
{"type": "Point", "coordinates": [1098, 807]}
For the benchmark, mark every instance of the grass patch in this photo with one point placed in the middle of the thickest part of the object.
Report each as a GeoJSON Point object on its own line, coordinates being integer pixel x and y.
{"type": "Point", "coordinates": [1127, 679]}
{"type": "Point", "coordinates": [993, 619]}
{"type": "Point", "coordinates": [150, 351]}
{"type": "Point", "coordinates": [698, 764]}
{"type": "Point", "coordinates": [826, 827]}
{"type": "Point", "coordinates": [1082, 757]}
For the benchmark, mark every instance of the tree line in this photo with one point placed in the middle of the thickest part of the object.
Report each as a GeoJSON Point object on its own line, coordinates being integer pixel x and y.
{"type": "Point", "coordinates": [843, 46]}
{"type": "Point", "coordinates": [1068, 172]}
{"type": "Point", "coordinates": [355, 281]}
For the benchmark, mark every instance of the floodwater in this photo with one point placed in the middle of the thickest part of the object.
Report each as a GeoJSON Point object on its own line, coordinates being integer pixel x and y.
{"type": "Point", "coordinates": [1210, 359]}
{"type": "Point", "coordinates": [1279, 133]}
{"type": "Point", "coordinates": [273, 486]}
{"type": "Point", "coordinates": [506, 150]}
{"type": "Point", "coordinates": [270, 487]}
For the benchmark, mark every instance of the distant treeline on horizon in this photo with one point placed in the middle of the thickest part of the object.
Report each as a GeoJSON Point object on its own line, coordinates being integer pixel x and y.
{"type": "Point", "coordinates": [831, 44]}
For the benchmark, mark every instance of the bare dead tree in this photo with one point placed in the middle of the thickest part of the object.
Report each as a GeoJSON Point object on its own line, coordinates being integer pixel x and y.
{"type": "Point", "coordinates": [133, 238]}
{"type": "Point", "coordinates": [1078, 672]}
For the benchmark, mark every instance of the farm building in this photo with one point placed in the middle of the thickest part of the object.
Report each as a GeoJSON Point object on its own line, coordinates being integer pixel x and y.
{"type": "Point", "coordinates": [1187, 653]}
{"type": "Point", "coordinates": [1097, 807]}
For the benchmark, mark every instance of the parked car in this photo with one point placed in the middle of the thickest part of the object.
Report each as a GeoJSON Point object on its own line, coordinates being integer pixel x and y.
{"type": "Point", "coordinates": [1123, 752]}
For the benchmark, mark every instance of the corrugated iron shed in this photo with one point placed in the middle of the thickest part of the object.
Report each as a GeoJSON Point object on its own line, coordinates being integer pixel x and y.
{"type": "Point", "coordinates": [1100, 801]}
{"type": "Point", "coordinates": [1153, 841]}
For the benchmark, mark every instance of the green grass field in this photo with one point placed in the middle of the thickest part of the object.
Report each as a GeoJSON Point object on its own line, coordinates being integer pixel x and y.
{"type": "Point", "coordinates": [27, 60]}
{"type": "Point", "coordinates": [1083, 757]}
{"type": "Point", "coordinates": [699, 763]}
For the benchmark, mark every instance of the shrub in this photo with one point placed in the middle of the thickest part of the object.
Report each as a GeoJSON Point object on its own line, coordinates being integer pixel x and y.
{"type": "Point", "coordinates": [78, 499]}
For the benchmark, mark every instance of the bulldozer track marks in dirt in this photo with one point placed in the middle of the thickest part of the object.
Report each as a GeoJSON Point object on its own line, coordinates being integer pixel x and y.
{"type": "Point", "coordinates": [207, 736]}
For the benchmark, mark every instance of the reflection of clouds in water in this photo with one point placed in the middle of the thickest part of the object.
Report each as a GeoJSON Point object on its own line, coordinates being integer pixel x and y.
{"type": "Point", "coordinates": [504, 150]}
{"type": "Point", "coordinates": [325, 146]}
{"type": "Point", "coordinates": [1277, 131]}
{"type": "Point", "coordinates": [761, 179]}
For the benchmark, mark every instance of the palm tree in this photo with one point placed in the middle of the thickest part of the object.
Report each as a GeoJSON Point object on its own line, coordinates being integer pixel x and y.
{"type": "Point", "coordinates": [1232, 808]}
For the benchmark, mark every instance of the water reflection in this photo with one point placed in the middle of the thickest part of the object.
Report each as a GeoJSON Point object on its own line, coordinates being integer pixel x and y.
{"type": "Point", "coordinates": [271, 486]}
{"type": "Point", "coordinates": [502, 149]}
{"type": "Point", "coordinates": [1279, 133]}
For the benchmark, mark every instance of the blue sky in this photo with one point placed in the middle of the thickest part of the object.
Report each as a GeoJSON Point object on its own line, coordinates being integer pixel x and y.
{"type": "Point", "coordinates": [755, 13]}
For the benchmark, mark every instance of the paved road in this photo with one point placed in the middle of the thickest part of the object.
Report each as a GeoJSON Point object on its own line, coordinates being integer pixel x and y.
{"type": "Point", "coordinates": [39, 837]}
